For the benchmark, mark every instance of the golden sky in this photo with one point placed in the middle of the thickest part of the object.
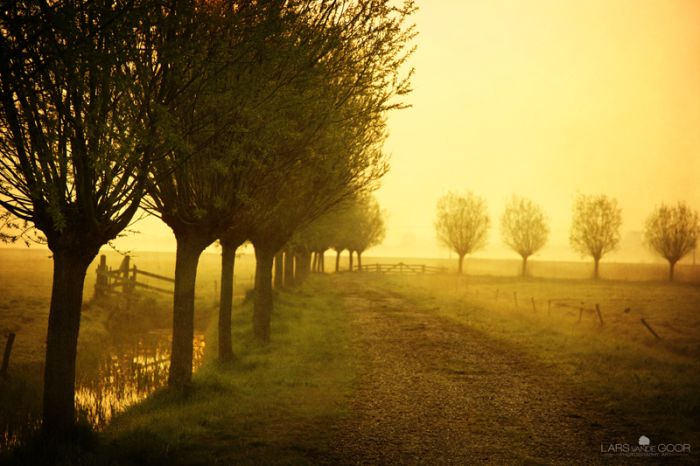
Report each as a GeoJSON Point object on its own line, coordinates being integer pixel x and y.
{"type": "Point", "coordinates": [544, 99]}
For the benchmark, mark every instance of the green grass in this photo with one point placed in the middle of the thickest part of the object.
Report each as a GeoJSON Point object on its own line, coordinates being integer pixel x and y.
{"type": "Point", "coordinates": [654, 383]}
{"type": "Point", "coordinates": [269, 406]}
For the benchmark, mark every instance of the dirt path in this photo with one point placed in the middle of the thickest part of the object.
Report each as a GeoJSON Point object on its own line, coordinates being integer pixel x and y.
{"type": "Point", "coordinates": [433, 391]}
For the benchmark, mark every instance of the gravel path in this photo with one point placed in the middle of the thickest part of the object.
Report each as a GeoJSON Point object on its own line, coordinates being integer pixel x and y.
{"type": "Point", "coordinates": [433, 391]}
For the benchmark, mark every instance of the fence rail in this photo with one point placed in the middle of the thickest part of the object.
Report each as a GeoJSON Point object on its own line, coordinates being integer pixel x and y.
{"type": "Point", "coordinates": [402, 268]}
{"type": "Point", "coordinates": [125, 278]}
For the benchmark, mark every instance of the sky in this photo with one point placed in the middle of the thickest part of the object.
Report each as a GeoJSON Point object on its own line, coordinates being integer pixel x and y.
{"type": "Point", "coordinates": [544, 99]}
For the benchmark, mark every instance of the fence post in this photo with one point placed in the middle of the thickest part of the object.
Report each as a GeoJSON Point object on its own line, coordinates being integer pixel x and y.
{"type": "Point", "coordinates": [534, 308]}
{"type": "Point", "coordinates": [600, 316]}
{"type": "Point", "coordinates": [6, 356]}
{"type": "Point", "coordinates": [132, 283]}
{"type": "Point", "coordinates": [650, 329]}
{"type": "Point", "coordinates": [124, 269]}
{"type": "Point", "coordinates": [102, 282]}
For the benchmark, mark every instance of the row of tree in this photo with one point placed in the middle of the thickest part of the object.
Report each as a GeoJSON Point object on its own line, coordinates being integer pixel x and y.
{"type": "Point", "coordinates": [462, 225]}
{"type": "Point", "coordinates": [354, 225]}
{"type": "Point", "coordinates": [229, 120]}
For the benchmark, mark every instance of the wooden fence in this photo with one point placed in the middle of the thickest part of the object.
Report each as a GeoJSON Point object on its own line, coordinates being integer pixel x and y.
{"type": "Point", "coordinates": [402, 268]}
{"type": "Point", "coordinates": [125, 279]}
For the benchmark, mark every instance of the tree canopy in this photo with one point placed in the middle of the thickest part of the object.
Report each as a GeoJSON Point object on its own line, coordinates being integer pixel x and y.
{"type": "Point", "coordinates": [462, 223]}
{"type": "Point", "coordinates": [524, 228]}
{"type": "Point", "coordinates": [595, 227]}
{"type": "Point", "coordinates": [672, 232]}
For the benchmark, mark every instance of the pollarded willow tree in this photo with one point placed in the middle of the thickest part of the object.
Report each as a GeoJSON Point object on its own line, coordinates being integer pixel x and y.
{"type": "Point", "coordinates": [366, 226]}
{"type": "Point", "coordinates": [75, 146]}
{"type": "Point", "coordinates": [524, 228]}
{"type": "Point", "coordinates": [672, 232]}
{"type": "Point", "coordinates": [336, 128]}
{"type": "Point", "coordinates": [246, 58]}
{"type": "Point", "coordinates": [462, 223]}
{"type": "Point", "coordinates": [595, 227]}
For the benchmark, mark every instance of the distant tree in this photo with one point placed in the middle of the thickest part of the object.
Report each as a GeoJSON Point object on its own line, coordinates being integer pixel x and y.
{"type": "Point", "coordinates": [367, 227]}
{"type": "Point", "coordinates": [524, 228]}
{"type": "Point", "coordinates": [672, 232]}
{"type": "Point", "coordinates": [595, 227]}
{"type": "Point", "coordinates": [462, 223]}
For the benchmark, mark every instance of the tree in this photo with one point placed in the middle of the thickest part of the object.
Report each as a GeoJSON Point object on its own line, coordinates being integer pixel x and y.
{"type": "Point", "coordinates": [343, 114]}
{"type": "Point", "coordinates": [595, 227]}
{"type": "Point", "coordinates": [462, 223]}
{"type": "Point", "coordinates": [74, 150]}
{"type": "Point", "coordinates": [230, 242]}
{"type": "Point", "coordinates": [220, 125]}
{"type": "Point", "coordinates": [672, 232]}
{"type": "Point", "coordinates": [366, 226]}
{"type": "Point", "coordinates": [524, 228]}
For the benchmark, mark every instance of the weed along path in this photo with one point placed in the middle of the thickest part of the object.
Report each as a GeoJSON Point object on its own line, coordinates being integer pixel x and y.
{"type": "Point", "coordinates": [433, 391]}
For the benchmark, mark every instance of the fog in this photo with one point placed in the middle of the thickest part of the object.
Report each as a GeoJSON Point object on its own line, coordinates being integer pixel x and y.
{"type": "Point", "coordinates": [543, 99]}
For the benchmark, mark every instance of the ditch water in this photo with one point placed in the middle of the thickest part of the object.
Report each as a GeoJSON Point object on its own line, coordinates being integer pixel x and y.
{"type": "Point", "coordinates": [120, 377]}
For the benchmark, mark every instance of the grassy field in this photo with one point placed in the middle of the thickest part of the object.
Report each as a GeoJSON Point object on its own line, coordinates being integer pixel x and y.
{"type": "Point", "coordinates": [273, 405]}
{"type": "Point", "coordinates": [25, 292]}
{"type": "Point", "coordinates": [655, 381]}
{"type": "Point", "coordinates": [269, 406]}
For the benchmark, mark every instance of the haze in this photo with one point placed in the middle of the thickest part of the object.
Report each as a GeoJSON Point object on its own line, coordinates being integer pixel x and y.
{"type": "Point", "coordinates": [543, 99]}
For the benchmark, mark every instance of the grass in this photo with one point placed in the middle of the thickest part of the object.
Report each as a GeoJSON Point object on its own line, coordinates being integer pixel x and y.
{"type": "Point", "coordinates": [272, 404]}
{"type": "Point", "coordinates": [654, 383]}
{"type": "Point", "coordinates": [269, 406]}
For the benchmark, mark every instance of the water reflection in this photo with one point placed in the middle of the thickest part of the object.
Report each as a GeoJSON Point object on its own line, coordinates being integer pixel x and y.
{"type": "Point", "coordinates": [123, 375]}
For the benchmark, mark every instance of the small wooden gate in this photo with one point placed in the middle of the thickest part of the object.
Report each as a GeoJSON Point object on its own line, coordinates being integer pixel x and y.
{"type": "Point", "coordinates": [125, 279]}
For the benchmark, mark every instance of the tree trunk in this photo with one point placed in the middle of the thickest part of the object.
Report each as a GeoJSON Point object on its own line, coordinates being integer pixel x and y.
{"type": "Point", "coordinates": [461, 263]}
{"type": "Point", "coordinates": [337, 261]}
{"type": "Point", "coordinates": [359, 261]}
{"type": "Point", "coordinates": [189, 248]}
{"type": "Point", "coordinates": [314, 261]}
{"type": "Point", "coordinates": [279, 270]}
{"type": "Point", "coordinates": [671, 269]}
{"type": "Point", "coordinates": [596, 268]}
{"type": "Point", "coordinates": [322, 261]}
{"type": "Point", "coordinates": [62, 343]}
{"type": "Point", "coordinates": [228, 262]}
{"type": "Point", "coordinates": [350, 260]}
{"type": "Point", "coordinates": [288, 269]}
{"type": "Point", "coordinates": [524, 271]}
{"type": "Point", "coordinates": [303, 259]}
{"type": "Point", "coordinates": [262, 304]}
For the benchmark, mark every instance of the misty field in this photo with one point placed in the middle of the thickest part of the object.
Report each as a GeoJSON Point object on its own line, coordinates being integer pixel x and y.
{"type": "Point", "coordinates": [367, 367]}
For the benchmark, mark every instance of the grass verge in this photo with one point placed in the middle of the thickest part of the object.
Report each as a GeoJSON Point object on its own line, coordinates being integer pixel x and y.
{"type": "Point", "coordinates": [269, 406]}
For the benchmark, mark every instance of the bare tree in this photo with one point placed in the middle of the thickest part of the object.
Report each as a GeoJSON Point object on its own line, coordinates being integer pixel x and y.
{"type": "Point", "coordinates": [462, 223]}
{"type": "Point", "coordinates": [524, 228]}
{"type": "Point", "coordinates": [672, 232]}
{"type": "Point", "coordinates": [595, 227]}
